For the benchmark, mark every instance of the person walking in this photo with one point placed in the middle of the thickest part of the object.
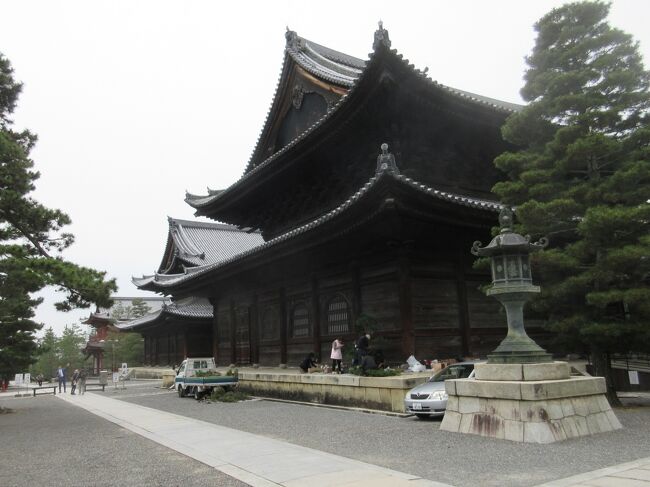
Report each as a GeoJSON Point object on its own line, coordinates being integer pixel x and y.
{"type": "Point", "coordinates": [337, 355]}
{"type": "Point", "coordinates": [75, 378]}
{"type": "Point", "coordinates": [60, 375]}
{"type": "Point", "coordinates": [82, 381]}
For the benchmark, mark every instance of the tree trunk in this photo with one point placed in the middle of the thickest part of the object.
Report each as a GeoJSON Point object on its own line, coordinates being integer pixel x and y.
{"type": "Point", "coordinates": [603, 366]}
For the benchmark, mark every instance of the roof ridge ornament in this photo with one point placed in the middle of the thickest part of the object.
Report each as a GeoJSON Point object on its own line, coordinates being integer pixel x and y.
{"type": "Point", "coordinates": [381, 37]}
{"type": "Point", "coordinates": [293, 40]}
{"type": "Point", "coordinates": [386, 162]}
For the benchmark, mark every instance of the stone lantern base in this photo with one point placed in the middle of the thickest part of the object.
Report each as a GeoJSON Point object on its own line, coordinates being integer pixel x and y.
{"type": "Point", "coordinates": [529, 403]}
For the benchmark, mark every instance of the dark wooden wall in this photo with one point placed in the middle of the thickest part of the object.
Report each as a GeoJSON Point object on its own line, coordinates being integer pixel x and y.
{"type": "Point", "coordinates": [429, 307]}
{"type": "Point", "coordinates": [170, 344]}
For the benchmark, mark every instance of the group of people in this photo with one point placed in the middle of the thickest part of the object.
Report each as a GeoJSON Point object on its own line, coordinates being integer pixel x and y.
{"type": "Point", "coordinates": [362, 356]}
{"type": "Point", "coordinates": [78, 379]}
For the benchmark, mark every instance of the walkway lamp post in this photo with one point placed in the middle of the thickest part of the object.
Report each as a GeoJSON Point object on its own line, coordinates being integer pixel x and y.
{"type": "Point", "coordinates": [512, 286]}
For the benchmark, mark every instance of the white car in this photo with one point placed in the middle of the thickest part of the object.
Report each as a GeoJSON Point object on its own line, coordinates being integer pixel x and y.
{"type": "Point", "coordinates": [430, 399]}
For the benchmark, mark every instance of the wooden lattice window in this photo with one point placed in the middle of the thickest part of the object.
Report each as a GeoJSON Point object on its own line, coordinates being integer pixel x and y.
{"type": "Point", "coordinates": [300, 322]}
{"type": "Point", "coordinates": [270, 324]}
{"type": "Point", "coordinates": [338, 316]}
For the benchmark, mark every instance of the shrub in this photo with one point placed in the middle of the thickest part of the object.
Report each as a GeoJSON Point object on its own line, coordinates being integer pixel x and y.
{"type": "Point", "coordinates": [222, 395]}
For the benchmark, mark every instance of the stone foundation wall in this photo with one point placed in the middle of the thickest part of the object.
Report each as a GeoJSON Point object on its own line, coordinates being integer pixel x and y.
{"type": "Point", "coordinates": [381, 393]}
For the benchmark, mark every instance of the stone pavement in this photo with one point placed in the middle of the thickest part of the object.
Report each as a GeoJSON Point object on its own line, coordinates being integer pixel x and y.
{"type": "Point", "coordinates": [253, 459]}
{"type": "Point", "coordinates": [261, 461]}
{"type": "Point", "coordinates": [631, 474]}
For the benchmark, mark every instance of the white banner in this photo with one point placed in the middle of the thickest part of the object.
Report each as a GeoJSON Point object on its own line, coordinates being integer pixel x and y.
{"type": "Point", "coordinates": [28, 379]}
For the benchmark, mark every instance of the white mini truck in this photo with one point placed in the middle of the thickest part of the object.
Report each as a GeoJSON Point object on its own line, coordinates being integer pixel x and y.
{"type": "Point", "coordinates": [197, 377]}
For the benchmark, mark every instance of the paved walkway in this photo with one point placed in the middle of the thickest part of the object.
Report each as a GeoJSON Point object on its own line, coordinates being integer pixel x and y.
{"type": "Point", "coordinates": [261, 461]}
{"type": "Point", "coordinates": [254, 459]}
{"type": "Point", "coordinates": [632, 474]}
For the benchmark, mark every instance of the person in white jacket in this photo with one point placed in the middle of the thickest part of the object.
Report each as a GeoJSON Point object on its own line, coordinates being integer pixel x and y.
{"type": "Point", "coordinates": [337, 355]}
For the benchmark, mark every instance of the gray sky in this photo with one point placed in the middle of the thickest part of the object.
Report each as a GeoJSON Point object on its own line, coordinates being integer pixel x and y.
{"type": "Point", "coordinates": [136, 101]}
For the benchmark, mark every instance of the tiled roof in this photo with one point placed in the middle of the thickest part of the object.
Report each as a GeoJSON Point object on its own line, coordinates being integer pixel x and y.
{"type": "Point", "coordinates": [188, 308]}
{"type": "Point", "coordinates": [325, 63]}
{"type": "Point", "coordinates": [334, 68]}
{"type": "Point", "coordinates": [167, 281]}
{"type": "Point", "coordinates": [199, 243]}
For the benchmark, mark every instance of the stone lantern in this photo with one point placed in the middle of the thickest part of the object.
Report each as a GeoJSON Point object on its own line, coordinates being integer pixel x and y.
{"type": "Point", "coordinates": [512, 286]}
{"type": "Point", "coordinates": [520, 394]}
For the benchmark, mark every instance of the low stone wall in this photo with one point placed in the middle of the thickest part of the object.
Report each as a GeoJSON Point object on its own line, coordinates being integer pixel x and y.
{"type": "Point", "coordinates": [381, 393]}
{"type": "Point", "coordinates": [149, 372]}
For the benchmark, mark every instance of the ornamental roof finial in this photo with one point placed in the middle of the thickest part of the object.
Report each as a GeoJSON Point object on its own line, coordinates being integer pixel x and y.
{"type": "Point", "coordinates": [505, 219]}
{"type": "Point", "coordinates": [381, 37]}
{"type": "Point", "coordinates": [293, 41]}
{"type": "Point", "coordinates": [386, 161]}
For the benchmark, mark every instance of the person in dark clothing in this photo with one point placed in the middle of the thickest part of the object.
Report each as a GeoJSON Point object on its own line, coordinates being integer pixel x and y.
{"type": "Point", "coordinates": [308, 362]}
{"type": "Point", "coordinates": [368, 363]}
{"type": "Point", "coordinates": [361, 348]}
{"type": "Point", "coordinates": [379, 358]}
{"type": "Point", "coordinates": [60, 374]}
{"type": "Point", "coordinates": [82, 380]}
{"type": "Point", "coordinates": [75, 378]}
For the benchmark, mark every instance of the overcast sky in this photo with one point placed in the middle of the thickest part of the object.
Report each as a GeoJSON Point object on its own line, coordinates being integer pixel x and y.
{"type": "Point", "coordinates": [135, 102]}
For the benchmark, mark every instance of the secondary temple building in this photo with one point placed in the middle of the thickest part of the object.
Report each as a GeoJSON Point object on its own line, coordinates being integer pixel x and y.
{"type": "Point", "coordinates": [363, 195]}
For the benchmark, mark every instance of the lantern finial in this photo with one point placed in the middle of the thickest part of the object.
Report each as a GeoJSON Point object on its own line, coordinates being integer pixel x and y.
{"type": "Point", "coordinates": [506, 219]}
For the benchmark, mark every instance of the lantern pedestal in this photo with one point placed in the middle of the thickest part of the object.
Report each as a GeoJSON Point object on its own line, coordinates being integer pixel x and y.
{"type": "Point", "coordinates": [528, 403]}
{"type": "Point", "coordinates": [517, 347]}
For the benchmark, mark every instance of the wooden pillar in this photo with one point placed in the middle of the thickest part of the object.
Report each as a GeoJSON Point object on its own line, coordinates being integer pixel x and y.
{"type": "Point", "coordinates": [463, 307]}
{"type": "Point", "coordinates": [233, 333]}
{"type": "Point", "coordinates": [283, 326]}
{"type": "Point", "coordinates": [254, 332]}
{"type": "Point", "coordinates": [215, 330]}
{"type": "Point", "coordinates": [315, 312]}
{"type": "Point", "coordinates": [405, 301]}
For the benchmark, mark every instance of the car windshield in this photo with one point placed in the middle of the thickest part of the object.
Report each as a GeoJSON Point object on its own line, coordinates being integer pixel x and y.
{"type": "Point", "coordinates": [458, 371]}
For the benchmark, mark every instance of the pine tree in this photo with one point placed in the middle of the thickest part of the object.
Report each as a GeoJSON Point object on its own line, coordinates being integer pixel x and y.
{"type": "Point", "coordinates": [48, 357]}
{"type": "Point", "coordinates": [31, 243]}
{"type": "Point", "coordinates": [69, 347]}
{"type": "Point", "coordinates": [582, 178]}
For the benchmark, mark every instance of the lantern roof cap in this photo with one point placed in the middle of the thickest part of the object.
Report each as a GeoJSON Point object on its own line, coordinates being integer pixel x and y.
{"type": "Point", "coordinates": [508, 242]}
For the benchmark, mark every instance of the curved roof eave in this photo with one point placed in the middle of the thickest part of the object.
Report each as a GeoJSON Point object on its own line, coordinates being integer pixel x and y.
{"type": "Point", "coordinates": [163, 283]}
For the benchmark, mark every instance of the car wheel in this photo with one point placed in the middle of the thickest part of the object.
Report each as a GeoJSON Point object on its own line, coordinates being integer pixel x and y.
{"type": "Point", "coordinates": [422, 416]}
{"type": "Point", "coordinates": [181, 391]}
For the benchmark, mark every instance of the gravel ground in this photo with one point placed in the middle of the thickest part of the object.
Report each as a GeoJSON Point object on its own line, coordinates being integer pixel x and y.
{"type": "Point", "coordinates": [415, 446]}
{"type": "Point", "coordinates": [47, 442]}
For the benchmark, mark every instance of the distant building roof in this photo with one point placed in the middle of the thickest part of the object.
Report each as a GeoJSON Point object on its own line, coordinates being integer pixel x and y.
{"type": "Point", "coordinates": [191, 308]}
{"type": "Point", "coordinates": [196, 243]}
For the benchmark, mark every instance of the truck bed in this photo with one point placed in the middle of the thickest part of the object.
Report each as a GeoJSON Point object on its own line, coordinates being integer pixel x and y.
{"type": "Point", "coordinates": [222, 380]}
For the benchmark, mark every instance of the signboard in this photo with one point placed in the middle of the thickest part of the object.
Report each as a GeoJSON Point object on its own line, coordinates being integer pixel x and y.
{"type": "Point", "coordinates": [116, 377]}
{"type": "Point", "coordinates": [18, 380]}
{"type": "Point", "coordinates": [125, 368]}
{"type": "Point", "coordinates": [28, 379]}
{"type": "Point", "coordinates": [634, 377]}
